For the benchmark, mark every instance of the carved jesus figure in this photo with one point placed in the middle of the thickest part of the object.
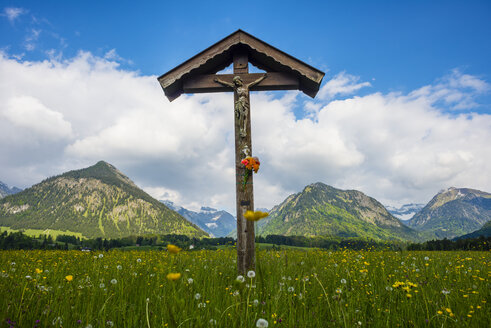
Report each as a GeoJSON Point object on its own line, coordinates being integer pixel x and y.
{"type": "Point", "coordinates": [242, 103]}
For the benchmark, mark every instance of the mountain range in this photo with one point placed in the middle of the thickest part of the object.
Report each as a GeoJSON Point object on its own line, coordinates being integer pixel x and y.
{"type": "Point", "coordinates": [214, 222]}
{"type": "Point", "coordinates": [453, 212]}
{"type": "Point", "coordinates": [5, 190]}
{"type": "Point", "coordinates": [406, 211]}
{"type": "Point", "coordinates": [98, 201]}
{"type": "Point", "coordinates": [321, 210]}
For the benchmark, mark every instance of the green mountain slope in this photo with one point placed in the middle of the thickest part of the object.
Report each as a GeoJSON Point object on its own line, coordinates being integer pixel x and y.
{"type": "Point", "coordinates": [98, 201]}
{"type": "Point", "coordinates": [453, 212]}
{"type": "Point", "coordinates": [321, 210]}
{"type": "Point", "coordinates": [485, 231]}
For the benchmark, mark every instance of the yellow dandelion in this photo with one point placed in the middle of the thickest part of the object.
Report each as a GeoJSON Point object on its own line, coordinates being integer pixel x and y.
{"type": "Point", "coordinates": [38, 271]}
{"type": "Point", "coordinates": [173, 276]}
{"type": "Point", "coordinates": [69, 277]}
{"type": "Point", "coordinates": [173, 249]}
{"type": "Point", "coordinates": [255, 216]}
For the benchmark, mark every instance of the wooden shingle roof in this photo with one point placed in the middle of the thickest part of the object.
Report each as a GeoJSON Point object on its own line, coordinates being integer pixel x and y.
{"type": "Point", "coordinates": [260, 54]}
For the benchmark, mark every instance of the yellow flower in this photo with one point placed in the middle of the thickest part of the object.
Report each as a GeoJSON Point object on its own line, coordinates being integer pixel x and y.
{"type": "Point", "coordinates": [173, 276]}
{"type": "Point", "coordinates": [173, 249]}
{"type": "Point", "coordinates": [69, 277]}
{"type": "Point", "coordinates": [38, 271]}
{"type": "Point", "coordinates": [409, 295]}
{"type": "Point", "coordinates": [255, 216]}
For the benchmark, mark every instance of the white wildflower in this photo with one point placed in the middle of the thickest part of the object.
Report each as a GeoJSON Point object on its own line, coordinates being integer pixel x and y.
{"type": "Point", "coordinates": [261, 323]}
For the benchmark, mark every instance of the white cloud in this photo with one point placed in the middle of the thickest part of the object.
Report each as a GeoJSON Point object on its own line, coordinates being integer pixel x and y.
{"type": "Point", "coordinates": [13, 13]}
{"type": "Point", "coordinates": [29, 113]}
{"type": "Point", "coordinates": [341, 84]}
{"type": "Point", "coordinates": [396, 147]}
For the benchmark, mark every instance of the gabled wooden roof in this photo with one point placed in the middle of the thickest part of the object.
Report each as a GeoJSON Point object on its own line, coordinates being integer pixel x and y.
{"type": "Point", "coordinates": [260, 54]}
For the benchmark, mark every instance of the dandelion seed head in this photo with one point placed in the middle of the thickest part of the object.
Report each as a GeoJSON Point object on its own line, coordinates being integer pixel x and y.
{"type": "Point", "coordinates": [261, 323]}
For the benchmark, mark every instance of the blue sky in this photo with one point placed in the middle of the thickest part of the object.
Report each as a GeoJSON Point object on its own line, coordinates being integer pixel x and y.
{"type": "Point", "coordinates": [398, 45]}
{"type": "Point", "coordinates": [426, 58]}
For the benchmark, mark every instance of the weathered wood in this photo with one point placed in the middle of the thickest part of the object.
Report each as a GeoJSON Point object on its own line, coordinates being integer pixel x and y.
{"type": "Point", "coordinates": [261, 54]}
{"type": "Point", "coordinates": [206, 83]}
{"type": "Point", "coordinates": [244, 196]}
{"type": "Point", "coordinates": [198, 75]}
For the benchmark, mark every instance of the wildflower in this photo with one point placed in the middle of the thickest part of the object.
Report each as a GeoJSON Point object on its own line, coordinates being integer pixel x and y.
{"type": "Point", "coordinates": [38, 271]}
{"type": "Point", "coordinates": [251, 274]}
{"type": "Point", "coordinates": [426, 258]}
{"type": "Point", "coordinates": [102, 285]}
{"type": "Point", "coordinates": [28, 277]}
{"type": "Point", "coordinates": [69, 277]}
{"type": "Point", "coordinates": [212, 322]}
{"type": "Point", "coordinates": [201, 305]}
{"type": "Point", "coordinates": [445, 292]}
{"type": "Point", "coordinates": [109, 323]}
{"type": "Point", "coordinates": [114, 281]}
{"type": "Point", "coordinates": [338, 290]}
{"type": "Point", "coordinates": [192, 247]}
{"type": "Point", "coordinates": [197, 296]}
{"type": "Point", "coordinates": [343, 281]}
{"type": "Point", "coordinates": [173, 249]}
{"type": "Point", "coordinates": [240, 278]}
{"type": "Point", "coordinates": [138, 260]}
{"type": "Point", "coordinates": [261, 323]}
{"type": "Point", "coordinates": [291, 289]}
{"type": "Point", "coordinates": [101, 256]}
{"type": "Point", "coordinates": [255, 216]}
{"type": "Point", "coordinates": [409, 295]}
{"type": "Point", "coordinates": [190, 281]}
{"type": "Point", "coordinates": [255, 302]}
{"type": "Point", "coordinates": [236, 293]}
{"type": "Point", "coordinates": [173, 276]}
{"type": "Point", "coordinates": [119, 267]}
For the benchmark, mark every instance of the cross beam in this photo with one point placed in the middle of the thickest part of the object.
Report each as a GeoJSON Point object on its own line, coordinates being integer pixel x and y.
{"type": "Point", "coordinates": [206, 83]}
{"type": "Point", "coordinates": [284, 72]}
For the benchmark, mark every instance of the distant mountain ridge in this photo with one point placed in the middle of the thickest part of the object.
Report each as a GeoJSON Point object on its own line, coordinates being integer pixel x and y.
{"type": "Point", "coordinates": [98, 201]}
{"type": "Point", "coordinates": [406, 211]}
{"type": "Point", "coordinates": [453, 212]}
{"type": "Point", "coordinates": [216, 223]}
{"type": "Point", "coordinates": [5, 190]}
{"type": "Point", "coordinates": [321, 210]}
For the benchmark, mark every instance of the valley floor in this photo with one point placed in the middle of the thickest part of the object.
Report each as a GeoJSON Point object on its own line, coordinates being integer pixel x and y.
{"type": "Point", "coordinates": [290, 288]}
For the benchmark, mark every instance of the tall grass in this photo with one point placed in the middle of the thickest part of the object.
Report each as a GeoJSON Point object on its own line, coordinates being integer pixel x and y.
{"type": "Point", "coordinates": [291, 288]}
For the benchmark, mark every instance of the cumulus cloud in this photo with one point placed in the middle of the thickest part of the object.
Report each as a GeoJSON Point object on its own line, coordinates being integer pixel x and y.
{"type": "Point", "coordinates": [29, 113]}
{"type": "Point", "coordinates": [341, 84]}
{"type": "Point", "coordinates": [61, 115]}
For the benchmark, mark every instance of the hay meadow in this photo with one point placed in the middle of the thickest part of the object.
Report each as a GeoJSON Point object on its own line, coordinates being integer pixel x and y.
{"type": "Point", "coordinates": [200, 288]}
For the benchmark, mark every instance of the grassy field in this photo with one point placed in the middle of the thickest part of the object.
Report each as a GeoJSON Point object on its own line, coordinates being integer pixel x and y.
{"type": "Point", "coordinates": [290, 288]}
{"type": "Point", "coordinates": [46, 232]}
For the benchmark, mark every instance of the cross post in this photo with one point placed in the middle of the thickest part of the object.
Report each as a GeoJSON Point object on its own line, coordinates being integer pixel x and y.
{"type": "Point", "coordinates": [198, 75]}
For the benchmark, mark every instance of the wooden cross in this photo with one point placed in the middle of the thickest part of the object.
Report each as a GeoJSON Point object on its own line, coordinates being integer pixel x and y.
{"type": "Point", "coordinates": [198, 75]}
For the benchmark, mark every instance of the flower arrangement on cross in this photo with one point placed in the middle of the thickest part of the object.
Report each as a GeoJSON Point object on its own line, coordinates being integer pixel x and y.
{"type": "Point", "coordinates": [250, 164]}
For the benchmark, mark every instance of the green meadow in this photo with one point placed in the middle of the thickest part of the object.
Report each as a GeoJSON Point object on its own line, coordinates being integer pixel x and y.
{"type": "Point", "coordinates": [289, 288]}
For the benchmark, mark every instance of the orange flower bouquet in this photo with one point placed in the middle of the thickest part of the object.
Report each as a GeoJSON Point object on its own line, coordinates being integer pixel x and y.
{"type": "Point", "coordinates": [250, 163]}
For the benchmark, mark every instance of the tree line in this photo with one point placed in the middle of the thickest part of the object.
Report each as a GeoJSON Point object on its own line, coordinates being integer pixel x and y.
{"type": "Point", "coordinates": [18, 240]}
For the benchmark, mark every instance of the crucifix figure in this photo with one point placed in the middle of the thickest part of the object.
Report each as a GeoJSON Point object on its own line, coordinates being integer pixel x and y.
{"type": "Point", "coordinates": [199, 75]}
{"type": "Point", "coordinates": [242, 103]}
